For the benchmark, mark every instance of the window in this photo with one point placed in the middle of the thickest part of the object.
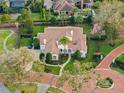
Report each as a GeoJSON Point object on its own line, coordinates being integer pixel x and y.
{"type": "Point", "coordinates": [65, 51]}
{"type": "Point", "coordinates": [54, 57]}
{"type": "Point", "coordinates": [69, 50]}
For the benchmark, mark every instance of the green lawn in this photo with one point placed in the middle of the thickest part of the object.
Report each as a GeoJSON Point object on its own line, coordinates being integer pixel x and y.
{"type": "Point", "coordinates": [23, 88]}
{"type": "Point", "coordinates": [25, 41]}
{"type": "Point", "coordinates": [38, 29]}
{"type": "Point", "coordinates": [52, 69]}
{"type": "Point", "coordinates": [38, 67]}
{"type": "Point", "coordinates": [11, 42]}
{"type": "Point", "coordinates": [121, 58]}
{"type": "Point", "coordinates": [28, 41]}
{"type": "Point", "coordinates": [118, 70]}
{"type": "Point", "coordinates": [105, 48]}
{"type": "Point", "coordinates": [35, 16]}
{"type": "Point", "coordinates": [119, 64]}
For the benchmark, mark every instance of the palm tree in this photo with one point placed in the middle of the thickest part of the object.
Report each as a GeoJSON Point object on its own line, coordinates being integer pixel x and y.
{"type": "Point", "coordinates": [64, 40]}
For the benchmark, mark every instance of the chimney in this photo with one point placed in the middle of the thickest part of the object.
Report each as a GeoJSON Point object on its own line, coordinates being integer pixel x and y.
{"type": "Point", "coordinates": [44, 41]}
{"type": "Point", "coordinates": [72, 32]}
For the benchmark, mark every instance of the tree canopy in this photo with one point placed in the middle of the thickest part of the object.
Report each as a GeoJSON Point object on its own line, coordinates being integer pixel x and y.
{"type": "Point", "coordinates": [64, 40]}
{"type": "Point", "coordinates": [17, 63]}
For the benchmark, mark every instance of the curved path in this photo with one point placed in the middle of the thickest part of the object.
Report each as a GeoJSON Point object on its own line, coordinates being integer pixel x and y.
{"type": "Point", "coordinates": [104, 70]}
{"type": "Point", "coordinates": [106, 62]}
{"type": "Point", "coordinates": [4, 43]}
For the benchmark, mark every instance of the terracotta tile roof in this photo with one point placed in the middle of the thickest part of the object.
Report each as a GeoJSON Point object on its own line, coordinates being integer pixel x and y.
{"type": "Point", "coordinates": [52, 35]}
{"type": "Point", "coordinates": [63, 5]}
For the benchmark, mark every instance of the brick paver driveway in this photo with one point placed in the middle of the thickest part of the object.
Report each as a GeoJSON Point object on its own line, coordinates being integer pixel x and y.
{"type": "Point", "coordinates": [104, 70]}
{"type": "Point", "coordinates": [90, 87]}
{"type": "Point", "coordinates": [106, 62]}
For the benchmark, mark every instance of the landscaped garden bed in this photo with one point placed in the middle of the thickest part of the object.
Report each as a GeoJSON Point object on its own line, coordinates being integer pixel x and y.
{"type": "Point", "coordinates": [105, 83]}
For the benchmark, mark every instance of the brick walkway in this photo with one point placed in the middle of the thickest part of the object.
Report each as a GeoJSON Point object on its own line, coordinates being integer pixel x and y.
{"type": "Point", "coordinates": [104, 70]}
{"type": "Point", "coordinates": [90, 87]}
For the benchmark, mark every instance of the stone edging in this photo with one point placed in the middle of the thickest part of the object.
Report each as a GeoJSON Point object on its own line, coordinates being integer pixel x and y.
{"type": "Point", "coordinates": [60, 72]}
{"type": "Point", "coordinates": [5, 41]}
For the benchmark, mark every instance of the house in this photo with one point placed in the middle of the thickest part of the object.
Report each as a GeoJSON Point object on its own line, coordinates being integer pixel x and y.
{"type": "Point", "coordinates": [67, 5]}
{"type": "Point", "coordinates": [48, 4]}
{"type": "Point", "coordinates": [17, 5]}
{"type": "Point", "coordinates": [63, 5]}
{"type": "Point", "coordinates": [49, 41]}
{"type": "Point", "coordinates": [87, 3]}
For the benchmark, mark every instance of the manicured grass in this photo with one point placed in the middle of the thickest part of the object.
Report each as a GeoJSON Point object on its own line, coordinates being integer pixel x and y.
{"type": "Point", "coordinates": [25, 41]}
{"type": "Point", "coordinates": [26, 88]}
{"type": "Point", "coordinates": [118, 65]}
{"type": "Point", "coordinates": [121, 58]}
{"type": "Point", "coordinates": [90, 44]}
{"type": "Point", "coordinates": [105, 48]}
{"type": "Point", "coordinates": [118, 70]}
{"type": "Point", "coordinates": [70, 65]}
{"type": "Point", "coordinates": [11, 42]}
{"type": "Point", "coordinates": [87, 29]}
{"type": "Point", "coordinates": [35, 16]}
{"type": "Point", "coordinates": [38, 29]}
{"type": "Point", "coordinates": [28, 41]}
{"type": "Point", "coordinates": [52, 69]}
{"type": "Point", "coordinates": [54, 90]}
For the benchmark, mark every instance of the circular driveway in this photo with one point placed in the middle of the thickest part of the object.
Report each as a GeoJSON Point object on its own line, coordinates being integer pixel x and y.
{"type": "Point", "coordinates": [103, 69]}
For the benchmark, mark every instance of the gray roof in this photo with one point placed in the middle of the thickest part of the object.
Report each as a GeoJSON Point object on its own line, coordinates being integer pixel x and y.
{"type": "Point", "coordinates": [1, 0]}
{"type": "Point", "coordinates": [3, 89]}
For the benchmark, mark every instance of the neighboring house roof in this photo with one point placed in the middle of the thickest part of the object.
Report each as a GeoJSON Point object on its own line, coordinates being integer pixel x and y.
{"type": "Point", "coordinates": [48, 3]}
{"type": "Point", "coordinates": [3, 89]}
{"type": "Point", "coordinates": [1, 0]}
{"type": "Point", "coordinates": [87, 1]}
{"type": "Point", "coordinates": [51, 36]}
{"type": "Point", "coordinates": [63, 5]}
{"type": "Point", "coordinates": [17, 3]}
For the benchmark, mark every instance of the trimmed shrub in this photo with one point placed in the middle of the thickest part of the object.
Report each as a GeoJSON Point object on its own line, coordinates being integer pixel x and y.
{"type": "Point", "coordinates": [42, 55]}
{"type": "Point", "coordinates": [105, 83]}
{"type": "Point", "coordinates": [77, 55]}
{"type": "Point", "coordinates": [48, 58]}
{"type": "Point", "coordinates": [36, 43]}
